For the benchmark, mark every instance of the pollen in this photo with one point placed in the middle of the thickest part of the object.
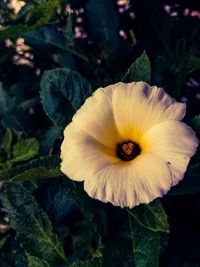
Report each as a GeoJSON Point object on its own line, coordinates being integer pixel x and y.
{"type": "Point", "coordinates": [128, 150]}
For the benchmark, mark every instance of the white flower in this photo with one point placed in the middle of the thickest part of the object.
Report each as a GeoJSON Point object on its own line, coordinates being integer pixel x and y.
{"type": "Point", "coordinates": [127, 144]}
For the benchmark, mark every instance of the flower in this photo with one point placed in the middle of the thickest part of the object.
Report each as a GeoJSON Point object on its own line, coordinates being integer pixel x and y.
{"type": "Point", "coordinates": [16, 5]}
{"type": "Point", "coordinates": [127, 144]}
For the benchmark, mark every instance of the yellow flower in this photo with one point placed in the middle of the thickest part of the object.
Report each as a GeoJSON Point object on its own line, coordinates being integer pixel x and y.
{"type": "Point", "coordinates": [127, 144]}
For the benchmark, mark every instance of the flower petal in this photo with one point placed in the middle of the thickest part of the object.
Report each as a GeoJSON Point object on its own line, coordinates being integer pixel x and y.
{"type": "Point", "coordinates": [96, 118]}
{"type": "Point", "coordinates": [129, 184]}
{"type": "Point", "coordinates": [82, 155]}
{"type": "Point", "coordinates": [173, 141]}
{"type": "Point", "coordinates": [137, 107]}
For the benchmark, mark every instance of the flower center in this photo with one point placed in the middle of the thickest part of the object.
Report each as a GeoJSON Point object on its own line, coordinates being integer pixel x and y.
{"type": "Point", "coordinates": [128, 150]}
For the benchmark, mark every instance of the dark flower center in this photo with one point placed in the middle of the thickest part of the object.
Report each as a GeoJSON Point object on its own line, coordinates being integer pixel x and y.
{"type": "Point", "coordinates": [128, 150]}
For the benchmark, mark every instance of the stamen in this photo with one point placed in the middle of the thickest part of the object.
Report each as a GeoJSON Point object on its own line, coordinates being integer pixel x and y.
{"type": "Point", "coordinates": [128, 150]}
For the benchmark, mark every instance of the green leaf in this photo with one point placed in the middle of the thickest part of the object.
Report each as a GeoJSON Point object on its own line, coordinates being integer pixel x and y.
{"type": "Point", "coordinates": [42, 168]}
{"type": "Point", "coordinates": [195, 123]}
{"type": "Point", "coordinates": [190, 185]}
{"type": "Point", "coordinates": [25, 149]}
{"type": "Point", "coordinates": [4, 262]}
{"type": "Point", "coordinates": [32, 225]}
{"type": "Point", "coordinates": [45, 39]}
{"type": "Point", "coordinates": [7, 140]}
{"type": "Point", "coordinates": [44, 12]}
{"type": "Point", "coordinates": [3, 241]}
{"type": "Point", "coordinates": [146, 245]}
{"type": "Point", "coordinates": [52, 134]}
{"type": "Point", "coordinates": [164, 77]}
{"type": "Point", "coordinates": [103, 29]}
{"type": "Point", "coordinates": [62, 93]}
{"type": "Point", "coordinates": [151, 216]}
{"type": "Point", "coordinates": [7, 112]}
{"type": "Point", "coordinates": [147, 222]}
{"type": "Point", "coordinates": [140, 70]}
{"type": "Point", "coordinates": [6, 102]}
{"type": "Point", "coordinates": [95, 262]}
{"type": "Point", "coordinates": [12, 260]}
{"type": "Point", "coordinates": [36, 262]}
{"type": "Point", "coordinates": [117, 251]}
{"type": "Point", "coordinates": [193, 63]}
{"type": "Point", "coordinates": [26, 104]}
{"type": "Point", "coordinates": [68, 32]}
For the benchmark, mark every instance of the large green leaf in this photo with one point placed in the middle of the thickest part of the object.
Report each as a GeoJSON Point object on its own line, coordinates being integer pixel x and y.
{"type": "Point", "coordinates": [146, 245]}
{"type": "Point", "coordinates": [25, 149]}
{"type": "Point", "coordinates": [151, 216]}
{"type": "Point", "coordinates": [32, 225]}
{"type": "Point", "coordinates": [44, 167]}
{"type": "Point", "coordinates": [45, 39]}
{"type": "Point", "coordinates": [147, 222]}
{"type": "Point", "coordinates": [103, 24]}
{"type": "Point", "coordinates": [140, 70]}
{"type": "Point", "coordinates": [62, 93]}
{"type": "Point", "coordinates": [36, 262]}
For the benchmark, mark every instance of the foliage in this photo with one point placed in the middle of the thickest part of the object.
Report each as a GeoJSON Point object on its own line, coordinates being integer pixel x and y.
{"type": "Point", "coordinates": [51, 60]}
{"type": "Point", "coordinates": [62, 93]}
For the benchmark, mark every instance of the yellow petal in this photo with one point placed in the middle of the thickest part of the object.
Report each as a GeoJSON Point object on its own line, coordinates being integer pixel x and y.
{"type": "Point", "coordinates": [137, 107]}
{"type": "Point", "coordinates": [82, 155]}
{"type": "Point", "coordinates": [174, 142]}
{"type": "Point", "coordinates": [95, 117]}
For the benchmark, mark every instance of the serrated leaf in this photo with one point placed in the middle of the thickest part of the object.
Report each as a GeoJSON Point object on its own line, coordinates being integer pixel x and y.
{"type": "Point", "coordinates": [44, 167]}
{"type": "Point", "coordinates": [32, 225]}
{"type": "Point", "coordinates": [62, 93]}
{"type": "Point", "coordinates": [140, 70]}
{"type": "Point", "coordinates": [36, 262]}
{"type": "Point", "coordinates": [7, 140]}
{"type": "Point", "coordinates": [151, 216]}
{"type": "Point", "coordinates": [146, 245]}
{"type": "Point", "coordinates": [25, 149]}
{"type": "Point", "coordinates": [147, 222]}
